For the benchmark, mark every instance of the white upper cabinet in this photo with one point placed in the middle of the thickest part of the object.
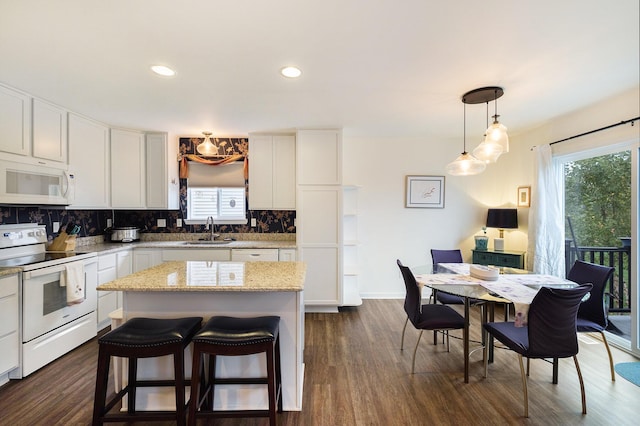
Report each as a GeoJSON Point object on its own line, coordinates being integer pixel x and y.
{"type": "Point", "coordinates": [128, 174]}
{"type": "Point", "coordinates": [272, 172]}
{"type": "Point", "coordinates": [144, 171]}
{"type": "Point", "coordinates": [163, 189]}
{"type": "Point", "coordinates": [15, 122]}
{"type": "Point", "coordinates": [320, 151]}
{"type": "Point", "coordinates": [49, 131]}
{"type": "Point", "coordinates": [89, 162]}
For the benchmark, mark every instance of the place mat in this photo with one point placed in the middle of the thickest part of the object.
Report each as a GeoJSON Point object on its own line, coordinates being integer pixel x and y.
{"type": "Point", "coordinates": [629, 371]}
{"type": "Point", "coordinates": [456, 268]}
{"type": "Point", "coordinates": [538, 280]}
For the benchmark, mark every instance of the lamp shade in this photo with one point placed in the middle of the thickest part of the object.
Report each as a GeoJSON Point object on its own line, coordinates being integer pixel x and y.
{"type": "Point", "coordinates": [502, 218]}
{"type": "Point", "coordinates": [465, 165]}
{"type": "Point", "coordinates": [206, 147]}
{"type": "Point", "coordinates": [488, 151]}
{"type": "Point", "coordinates": [497, 134]}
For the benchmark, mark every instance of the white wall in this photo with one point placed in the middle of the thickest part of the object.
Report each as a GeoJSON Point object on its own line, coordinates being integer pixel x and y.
{"type": "Point", "coordinates": [389, 231]}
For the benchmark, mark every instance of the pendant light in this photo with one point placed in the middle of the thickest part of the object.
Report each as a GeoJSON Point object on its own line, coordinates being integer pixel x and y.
{"type": "Point", "coordinates": [488, 150]}
{"type": "Point", "coordinates": [497, 133]}
{"type": "Point", "coordinates": [207, 148]}
{"type": "Point", "coordinates": [466, 164]}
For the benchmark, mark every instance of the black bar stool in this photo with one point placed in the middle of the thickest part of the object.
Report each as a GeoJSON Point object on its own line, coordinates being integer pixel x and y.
{"type": "Point", "coordinates": [143, 338]}
{"type": "Point", "coordinates": [230, 336]}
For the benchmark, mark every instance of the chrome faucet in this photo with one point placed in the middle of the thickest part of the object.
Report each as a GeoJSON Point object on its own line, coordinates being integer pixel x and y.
{"type": "Point", "coordinates": [213, 227]}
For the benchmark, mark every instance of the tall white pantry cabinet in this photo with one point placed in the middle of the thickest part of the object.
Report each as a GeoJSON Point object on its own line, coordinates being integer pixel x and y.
{"type": "Point", "coordinates": [319, 216]}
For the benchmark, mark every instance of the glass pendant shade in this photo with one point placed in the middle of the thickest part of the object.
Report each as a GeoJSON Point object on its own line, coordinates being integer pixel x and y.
{"type": "Point", "coordinates": [497, 133]}
{"type": "Point", "coordinates": [488, 151]}
{"type": "Point", "coordinates": [207, 148]}
{"type": "Point", "coordinates": [465, 165]}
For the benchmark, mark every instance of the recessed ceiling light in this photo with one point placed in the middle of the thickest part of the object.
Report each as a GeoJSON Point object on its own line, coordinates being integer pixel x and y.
{"type": "Point", "coordinates": [163, 71]}
{"type": "Point", "coordinates": [291, 72]}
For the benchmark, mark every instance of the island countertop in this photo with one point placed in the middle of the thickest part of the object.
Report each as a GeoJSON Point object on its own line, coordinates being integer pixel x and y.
{"type": "Point", "coordinates": [193, 276]}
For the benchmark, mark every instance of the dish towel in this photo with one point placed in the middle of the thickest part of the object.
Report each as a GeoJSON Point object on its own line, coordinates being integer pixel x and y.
{"type": "Point", "coordinates": [73, 278]}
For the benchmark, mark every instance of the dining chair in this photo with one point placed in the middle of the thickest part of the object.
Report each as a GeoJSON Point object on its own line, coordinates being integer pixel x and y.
{"type": "Point", "coordinates": [550, 332]}
{"type": "Point", "coordinates": [455, 256]}
{"type": "Point", "coordinates": [592, 314]}
{"type": "Point", "coordinates": [430, 316]}
{"type": "Point", "coordinates": [450, 256]}
{"type": "Point", "coordinates": [446, 256]}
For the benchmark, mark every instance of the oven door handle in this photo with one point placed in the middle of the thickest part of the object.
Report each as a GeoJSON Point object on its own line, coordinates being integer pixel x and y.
{"type": "Point", "coordinates": [44, 271]}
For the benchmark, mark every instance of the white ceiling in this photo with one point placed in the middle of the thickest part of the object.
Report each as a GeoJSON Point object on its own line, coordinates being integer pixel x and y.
{"type": "Point", "coordinates": [372, 67]}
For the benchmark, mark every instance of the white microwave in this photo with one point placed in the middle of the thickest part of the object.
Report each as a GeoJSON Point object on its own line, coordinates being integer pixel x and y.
{"type": "Point", "coordinates": [22, 183]}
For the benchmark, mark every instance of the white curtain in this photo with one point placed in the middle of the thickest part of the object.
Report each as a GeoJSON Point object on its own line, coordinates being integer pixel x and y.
{"type": "Point", "coordinates": [546, 216]}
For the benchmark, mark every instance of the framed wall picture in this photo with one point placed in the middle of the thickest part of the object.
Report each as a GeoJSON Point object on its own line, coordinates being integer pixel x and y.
{"type": "Point", "coordinates": [425, 192]}
{"type": "Point", "coordinates": [524, 196]}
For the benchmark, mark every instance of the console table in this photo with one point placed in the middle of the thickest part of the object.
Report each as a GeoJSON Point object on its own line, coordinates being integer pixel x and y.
{"type": "Point", "coordinates": [512, 259]}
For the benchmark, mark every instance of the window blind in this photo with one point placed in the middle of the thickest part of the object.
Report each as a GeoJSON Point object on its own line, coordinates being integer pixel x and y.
{"type": "Point", "coordinates": [222, 176]}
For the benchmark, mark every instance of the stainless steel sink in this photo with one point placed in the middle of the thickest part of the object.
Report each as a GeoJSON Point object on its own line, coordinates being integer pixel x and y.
{"type": "Point", "coordinates": [206, 242]}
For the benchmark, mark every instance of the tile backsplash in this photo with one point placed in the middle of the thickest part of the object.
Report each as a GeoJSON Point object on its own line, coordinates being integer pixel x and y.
{"type": "Point", "coordinates": [94, 222]}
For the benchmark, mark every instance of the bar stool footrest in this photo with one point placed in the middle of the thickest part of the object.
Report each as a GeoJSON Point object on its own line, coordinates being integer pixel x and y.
{"type": "Point", "coordinates": [135, 417]}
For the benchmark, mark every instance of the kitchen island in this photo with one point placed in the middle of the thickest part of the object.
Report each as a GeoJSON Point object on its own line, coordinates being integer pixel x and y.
{"type": "Point", "coordinates": [242, 289]}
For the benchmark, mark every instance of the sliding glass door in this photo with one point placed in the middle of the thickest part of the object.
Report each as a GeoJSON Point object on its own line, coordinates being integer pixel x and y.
{"type": "Point", "coordinates": [601, 223]}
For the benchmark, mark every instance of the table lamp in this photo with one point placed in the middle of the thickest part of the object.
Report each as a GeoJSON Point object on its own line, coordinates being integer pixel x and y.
{"type": "Point", "coordinates": [501, 219]}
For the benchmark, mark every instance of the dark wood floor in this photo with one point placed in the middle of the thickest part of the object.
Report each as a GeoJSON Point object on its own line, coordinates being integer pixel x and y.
{"type": "Point", "coordinates": [356, 375]}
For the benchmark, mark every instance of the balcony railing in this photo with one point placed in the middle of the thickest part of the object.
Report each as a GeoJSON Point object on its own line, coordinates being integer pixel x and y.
{"type": "Point", "coordinates": [619, 285]}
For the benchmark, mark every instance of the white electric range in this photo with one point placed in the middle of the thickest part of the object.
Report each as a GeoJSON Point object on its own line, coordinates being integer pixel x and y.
{"type": "Point", "coordinates": [50, 326]}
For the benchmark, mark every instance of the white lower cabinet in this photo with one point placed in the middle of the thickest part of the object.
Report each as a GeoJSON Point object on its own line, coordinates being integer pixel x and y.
{"type": "Point", "coordinates": [9, 325]}
{"type": "Point", "coordinates": [146, 258]}
{"type": "Point", "coordinates": [254, 255]}
{"type": "Point", "coordinates": [319, 239]}
{"type": "Point", "coordinates": [110, 267]}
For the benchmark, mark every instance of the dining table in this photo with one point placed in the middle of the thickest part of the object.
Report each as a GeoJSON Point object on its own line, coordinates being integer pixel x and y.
{"type": "Point", "coordinates": [512, 285]}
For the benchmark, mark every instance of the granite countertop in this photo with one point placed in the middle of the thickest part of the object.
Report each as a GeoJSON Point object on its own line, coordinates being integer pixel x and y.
{"type": "Point", "coordinates": [188, 276]}
{"type": "Point", "coordinates": [105, 248]}
{"type": "Point", "coordinates": [9, 271]}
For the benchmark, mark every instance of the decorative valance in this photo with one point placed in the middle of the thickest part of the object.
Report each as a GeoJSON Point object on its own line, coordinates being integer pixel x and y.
{"type": "Point", "coordinates": [184, 163]}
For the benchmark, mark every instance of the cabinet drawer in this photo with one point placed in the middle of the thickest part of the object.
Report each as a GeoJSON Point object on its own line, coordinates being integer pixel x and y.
{"type": "Point", "coordinates": [510, 261]}
{"type": "Point", "coordinates": [513, 260]}
{"type": "Point", "coordinates": [483, 258]}
{"type": "Point", "coordinates": [106, 276]}
{"type": "Point", "coordinates": [106, 261]}
{"type": "Point", "coordinates": [8, 286]}
{"type": "Point", "coordinates": [253, 255]}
